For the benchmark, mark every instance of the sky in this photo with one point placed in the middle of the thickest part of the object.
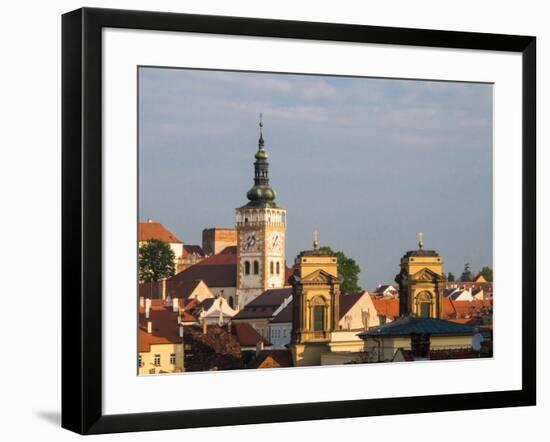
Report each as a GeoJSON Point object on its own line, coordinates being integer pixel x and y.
{"type": "Point", "coordinates": [368, 162]}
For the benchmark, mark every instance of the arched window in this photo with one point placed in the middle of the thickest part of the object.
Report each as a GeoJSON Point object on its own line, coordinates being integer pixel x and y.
{"type": "Point", "coordinates": [256, 267]}
{"type": "Point", "coordinates": [318, 318]}
{"type": "Point", "coordinates": [278, 268]}
{"type": "Point", "coordinates": [424, 304]}
{"type": "Point", "coordinates": [230, 302]}
{"type": "Point", "coordinates": [247, 267]}
{"type": "Point", "coordinates": [271, 267]}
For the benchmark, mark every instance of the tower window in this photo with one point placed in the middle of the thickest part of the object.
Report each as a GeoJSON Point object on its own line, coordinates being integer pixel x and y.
{"type": "Point", "coordinates": [247, 267]}
{"type": "Point", "coordinates": [256, 267]}
{"type": "Point", "coordinates": [318, 318]}
{"type": "Point", "coordinates": [271, 267]}
{"type": "Point", "coordinates": [278, 267]}
{"type": "Point", "coordinates": [424, 310]}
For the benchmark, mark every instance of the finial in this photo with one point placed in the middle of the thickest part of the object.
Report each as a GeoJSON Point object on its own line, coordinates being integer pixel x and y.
{"type": "Point", "coordinates": [420, 240]}
{"type": "Point", "coordinates": [261, 141]}
{"type": "Point", "coordinates": [315, 239]}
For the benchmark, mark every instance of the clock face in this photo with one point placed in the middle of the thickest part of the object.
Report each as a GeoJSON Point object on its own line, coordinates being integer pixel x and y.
{"type": "Point", "coordinates": [276, 241]}
{"type": "Point", "coordinates": [250, 242]}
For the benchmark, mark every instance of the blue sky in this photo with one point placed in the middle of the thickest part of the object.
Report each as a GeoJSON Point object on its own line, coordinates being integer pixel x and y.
{"type": "Point", "coordinates": [368, 162]}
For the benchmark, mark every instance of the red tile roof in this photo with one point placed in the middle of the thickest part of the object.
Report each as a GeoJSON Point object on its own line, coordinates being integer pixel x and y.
{"type": "Point", "coordinates": [461, 309]}
{"type": "Point", "coordinates": [165, 327]}
{"type": "Point", "coordinates": [192, 249]}
{"type": "Point", "coordinates": [175, 288]}
{"type": "Point", "coordinates": [216, 271]}
{"type": "Point", "coordinates": [155, 230]}
{"type": "Point", "coordinates": [247, 335]}
{"type": "Point", "coordinates": [273, 359]}
{"type": "Point", "coordinates": [387, 307]}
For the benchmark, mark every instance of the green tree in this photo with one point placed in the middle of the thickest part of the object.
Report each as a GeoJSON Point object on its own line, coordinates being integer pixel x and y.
{"type": "Point", "coordinates": [467, 273]}
{"type": "Point", "coordinates": [348, 269]}
{"type": "Point", "coordinates": [156, 261]}
{"type": "Point", "coordinates": [487, 273]}
{"type": "Point", "coordinates": [450, 277]}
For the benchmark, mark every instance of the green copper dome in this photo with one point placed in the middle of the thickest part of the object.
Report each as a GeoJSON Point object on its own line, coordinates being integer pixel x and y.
{"type": "Point", "coordinates": [261, 194]}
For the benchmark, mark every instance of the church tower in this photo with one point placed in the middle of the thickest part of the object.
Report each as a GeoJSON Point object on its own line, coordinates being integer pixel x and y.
{"type": "Point", "coordinates": [316, 305]}
{"type": "Point", "coordinates": [261, 227]}
{"type": "Point", "coordinates": [421, 283]}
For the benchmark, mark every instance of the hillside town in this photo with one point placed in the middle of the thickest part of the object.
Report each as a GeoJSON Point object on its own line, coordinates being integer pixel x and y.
{"type": "Point", "coordinates": [233, 302]}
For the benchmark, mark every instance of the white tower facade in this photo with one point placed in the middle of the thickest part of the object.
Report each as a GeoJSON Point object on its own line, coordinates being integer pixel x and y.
{"type": "Point", "coordinates": [261, 229]}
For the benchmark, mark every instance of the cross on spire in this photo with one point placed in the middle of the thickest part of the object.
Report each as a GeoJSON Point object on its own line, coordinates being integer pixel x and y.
{"type": "Point", "coordinates": [261, 141]}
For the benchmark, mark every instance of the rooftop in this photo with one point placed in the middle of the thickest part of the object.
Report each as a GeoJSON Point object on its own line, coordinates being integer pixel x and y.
{"type": "Point", "coordinates": [150, 229]}
{"type": "Point", "coordinates": [408, 325]}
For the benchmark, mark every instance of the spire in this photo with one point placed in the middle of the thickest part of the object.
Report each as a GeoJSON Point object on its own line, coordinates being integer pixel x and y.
{"type": "Point", "coordinates": [261, 194]}
{"type": "Point", "coordinates": [261, 140]}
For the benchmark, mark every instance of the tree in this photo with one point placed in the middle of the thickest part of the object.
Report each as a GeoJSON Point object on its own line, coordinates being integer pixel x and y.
{"type": "Point", "coordinates": [467, 273]}
{"type": "Point", "coordinates": [348, 269]}
{"type": "Point", "coordinates": [156, 261]}
{"type": "Point", "coordinates": [487, 273]}
{"type": "Point", "coordinates": [450, 277]}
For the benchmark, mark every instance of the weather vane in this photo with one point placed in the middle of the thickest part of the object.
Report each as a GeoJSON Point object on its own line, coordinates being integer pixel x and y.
{"type": "Point", "coordinates": [315, 239]}
{"type": "Point", "coordinates": [420, 240]}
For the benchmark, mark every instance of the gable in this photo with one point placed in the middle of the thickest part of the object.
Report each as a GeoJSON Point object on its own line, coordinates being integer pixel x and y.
{"type": "Point", "coordinates": [426, 275]}
{"type": "Point", "coordinates": [319, 277]}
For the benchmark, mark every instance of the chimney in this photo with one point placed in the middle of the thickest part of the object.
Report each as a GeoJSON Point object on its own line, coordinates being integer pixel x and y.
{"type": "Point", "coordinates": [204, 326]}
{"type": "Point", "coordinates": [149, 327]}
{"type": "Point", "coordinates": [147, 307]}
{"type": "Point", "coordinates": [163, 285]}
{"type": "Point", "coordinates": [181, 331]}
{"type": "Point", "coordinates": [142, 301]}
{"type": "Point", "coordinates": [149, 220]}
{"type": "Point", "coordinates": [259, 347]}
{"type": "Point", "coordinates": [179, 319]}
{"type": "Point", "coordinates": [175, 305]}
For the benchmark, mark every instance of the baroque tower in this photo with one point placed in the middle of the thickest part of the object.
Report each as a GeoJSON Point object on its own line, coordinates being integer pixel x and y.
{"type": "Point", "coordinates": [421, 283]}
{"type": "Point", "coordinates": [261, 227]}
{"type": "Point", "coordinates": [316, 305]}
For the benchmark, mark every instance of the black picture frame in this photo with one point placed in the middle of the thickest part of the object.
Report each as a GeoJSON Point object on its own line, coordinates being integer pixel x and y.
{"type": "Point", "coordinates": [82, 215]}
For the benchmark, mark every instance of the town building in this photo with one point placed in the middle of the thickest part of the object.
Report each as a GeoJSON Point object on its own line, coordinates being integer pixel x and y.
{"type": "Point", "coordinates": [216, 239]}
{"type": "Point", "coordinates": [421, 283]}
{"type": "Point", "coordinates": [261, 228]}
{"type": "Point", "coordinates": [160, 338]}
{"type": "Point", "coordinates": [148, 230]}
{"type": "Point", "coordinates": [420, 332]}
{"type": "Point", "coordinates": [191, 255]}
{"type": "Point", "coordinates": [259, 312]}
{"type": "Point", "coordinates": [413, 338]}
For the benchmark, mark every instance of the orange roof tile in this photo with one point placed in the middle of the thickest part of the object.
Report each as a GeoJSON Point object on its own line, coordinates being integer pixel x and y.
{"type": "Point", "coordinates": [155, 230]}
{"type": "Point", "coordinates": [388, 307]}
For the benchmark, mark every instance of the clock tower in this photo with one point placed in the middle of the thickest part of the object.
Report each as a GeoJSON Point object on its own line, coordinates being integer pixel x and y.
{"type": "Point", "coordinates": [261, 227]}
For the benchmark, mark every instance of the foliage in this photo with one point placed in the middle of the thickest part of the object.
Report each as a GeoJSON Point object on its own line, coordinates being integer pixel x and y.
{"type": "Point", "coordinates": [348, 269]}
{"type": "Point", "coordinates": [450, 277]}
{"type": "Point", "coordinates": [487, 273]}
{"type": "Point", "coordinates": [156, 261]}
{"type": "Point", "coordinates": [467, 273]}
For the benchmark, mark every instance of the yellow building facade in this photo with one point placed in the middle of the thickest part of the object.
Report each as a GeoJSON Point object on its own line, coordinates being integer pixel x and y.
{"type": "Point", "coordinates": [316, 296]}
{"type": "Point", "coordinates": [421, 283]}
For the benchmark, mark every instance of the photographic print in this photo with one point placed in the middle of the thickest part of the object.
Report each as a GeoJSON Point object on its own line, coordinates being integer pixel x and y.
{"type": "Point", "coordinates": [291, 220]}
